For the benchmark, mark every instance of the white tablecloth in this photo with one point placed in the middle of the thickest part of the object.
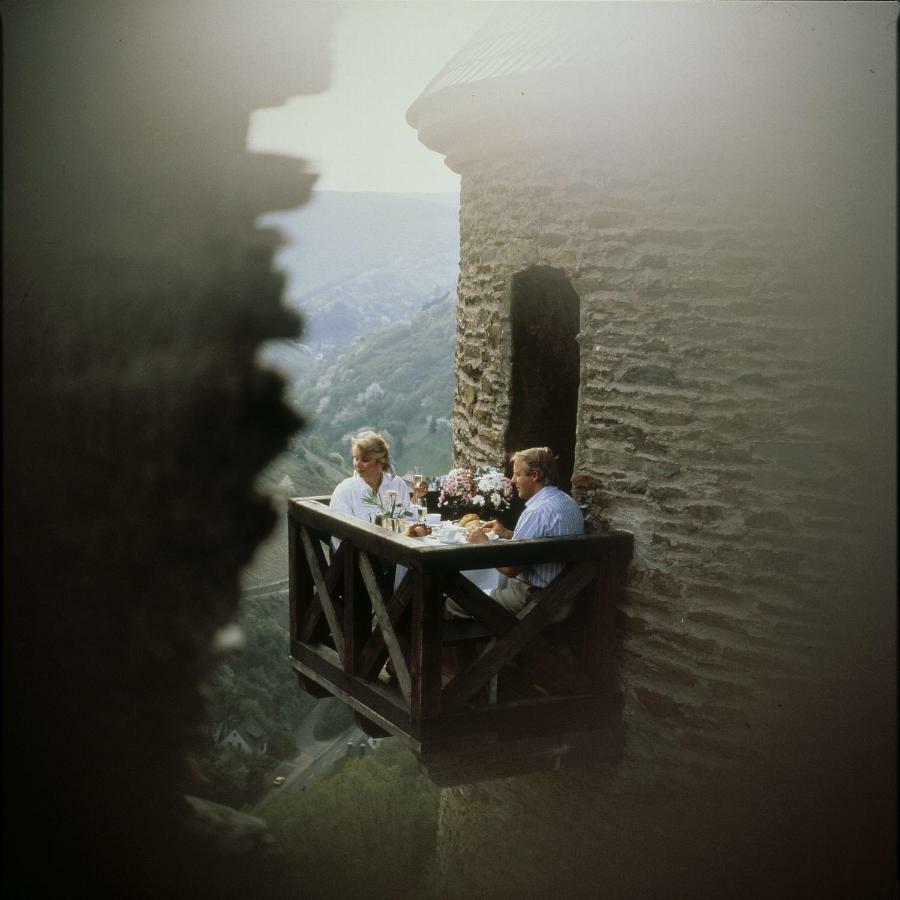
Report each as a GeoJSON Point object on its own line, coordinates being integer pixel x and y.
{"type": "Point", "coordinates": [486, 579]}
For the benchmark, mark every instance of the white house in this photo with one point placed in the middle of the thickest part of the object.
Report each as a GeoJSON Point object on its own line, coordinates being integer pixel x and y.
{"type": "Point", "coordinates": [248, 737]}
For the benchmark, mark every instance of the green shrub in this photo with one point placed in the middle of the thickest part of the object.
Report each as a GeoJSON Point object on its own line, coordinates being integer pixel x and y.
{"type": "Point", "coordinates": [334, 718]}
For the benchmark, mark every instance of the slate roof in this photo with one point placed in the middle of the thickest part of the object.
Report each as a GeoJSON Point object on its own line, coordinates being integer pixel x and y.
{"type": "Point", "coordinates": [252, 728]}
{"type": "Point", "coordinates": [537, 38]}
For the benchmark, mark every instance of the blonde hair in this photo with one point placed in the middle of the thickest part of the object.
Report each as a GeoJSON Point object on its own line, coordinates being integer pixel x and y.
{"type": "Point", "coordinates": [373, 446]}
{"type": "Point", "coordinates": [540, 460]}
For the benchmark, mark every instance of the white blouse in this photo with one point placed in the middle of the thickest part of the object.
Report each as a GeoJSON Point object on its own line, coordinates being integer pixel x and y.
{"type": "Point", "coordinates": [348, 496]}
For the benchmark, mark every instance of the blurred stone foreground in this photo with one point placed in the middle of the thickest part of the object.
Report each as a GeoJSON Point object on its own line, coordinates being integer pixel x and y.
{"type": "Point", "coordinates": [136, 293]}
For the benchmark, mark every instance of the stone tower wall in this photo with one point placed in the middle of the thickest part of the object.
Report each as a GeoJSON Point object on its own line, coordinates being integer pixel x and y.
{"type": "Point", "coordinates": [732, 328]}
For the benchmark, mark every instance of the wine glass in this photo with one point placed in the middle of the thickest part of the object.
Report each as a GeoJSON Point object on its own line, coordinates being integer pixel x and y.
{"type": "Point", "coordinates": [420, 486]}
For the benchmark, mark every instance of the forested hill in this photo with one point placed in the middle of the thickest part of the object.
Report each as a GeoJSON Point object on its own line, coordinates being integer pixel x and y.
{"type": "Point", "coordinates": [356, 261]}
{"type": "Point", "coordinates": [397, 380]}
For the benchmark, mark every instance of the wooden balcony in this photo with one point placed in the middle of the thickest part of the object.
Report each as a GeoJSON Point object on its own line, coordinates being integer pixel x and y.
{"type": "Point", "coordinates": [512, 681]}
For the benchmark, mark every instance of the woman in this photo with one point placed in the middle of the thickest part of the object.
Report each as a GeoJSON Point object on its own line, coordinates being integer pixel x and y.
{"type": "Point", "coordinates": [372, 475]}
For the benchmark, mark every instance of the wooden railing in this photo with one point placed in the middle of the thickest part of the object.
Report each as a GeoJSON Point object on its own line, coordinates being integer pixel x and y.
{"type": "Point", "coordinates": [524, 674]}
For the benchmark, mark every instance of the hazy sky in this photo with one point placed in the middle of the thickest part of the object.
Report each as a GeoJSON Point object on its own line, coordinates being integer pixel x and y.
{"type": "Point", "coordinates": [355, 134]}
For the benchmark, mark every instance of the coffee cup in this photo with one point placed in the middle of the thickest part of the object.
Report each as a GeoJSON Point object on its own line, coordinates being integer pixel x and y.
{"type": "Point", "coordinates": [432, 519]}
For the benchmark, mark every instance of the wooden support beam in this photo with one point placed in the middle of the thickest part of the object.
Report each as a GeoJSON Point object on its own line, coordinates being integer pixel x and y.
{"type": "Point", "coordinates": [509, 720]}
{"type": "Point", "coordinates": [538, 612]}
{"type": "Point", "coordinates": [600, 660]}
{"type": "Point", "coordinates": [333, 584]}
{"type": "Point", "coordinates": [357, 612]}
{"type": "Point", "coordinates": [425, 661]}
{"type": "Point", "coordinates": [374, 653]}
{"type": "Point", "coordinates": [500, 621]}
{"type": "Point", "coordinates": [386, 625]}
{"type": "Point", "coordinates": [296, 606]}
{"type": "Point", "coordinates": [314, 558]}
{"type": "Point", "coordinates": [478, 604]}
{"type": "Point", "coordinates": [381, 705]}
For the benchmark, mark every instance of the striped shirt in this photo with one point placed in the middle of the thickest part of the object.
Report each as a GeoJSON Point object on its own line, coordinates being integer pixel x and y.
{"type": "Point", "coordinates": [548, 513]}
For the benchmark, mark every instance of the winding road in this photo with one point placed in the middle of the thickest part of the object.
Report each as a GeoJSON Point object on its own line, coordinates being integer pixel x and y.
{"type": "Point", "coordinates": [315, 757]}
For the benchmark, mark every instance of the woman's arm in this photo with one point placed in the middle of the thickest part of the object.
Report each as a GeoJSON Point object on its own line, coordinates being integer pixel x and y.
{"type": "Point", "coordinates": [342, 499]}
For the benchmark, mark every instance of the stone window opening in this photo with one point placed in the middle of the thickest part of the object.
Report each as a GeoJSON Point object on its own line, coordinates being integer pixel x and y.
{"type": "Point", "coordinates": [545, 318]}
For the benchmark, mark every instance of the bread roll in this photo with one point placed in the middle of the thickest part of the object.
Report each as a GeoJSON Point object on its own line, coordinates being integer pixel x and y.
{"type": "Point", "coordinates": [469, 519]}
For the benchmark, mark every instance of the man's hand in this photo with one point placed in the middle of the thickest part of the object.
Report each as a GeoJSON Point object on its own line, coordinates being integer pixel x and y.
{"type": "Point", "coordinates": [479, 533]}
{"type": "Point", "coordinates": [497, 527]}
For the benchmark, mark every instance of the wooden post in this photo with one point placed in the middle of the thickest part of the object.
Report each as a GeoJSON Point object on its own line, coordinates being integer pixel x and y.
{"type": "Point", "coordinates": [425, 662]}
{"type": "Point", "coordinates": [302, 601]}
{"type": "Point", "coordinates": [300, 580]}
{"type": "Point", "coordinates": [357, 613]}
{"type": "Point", "coordinates": [293, 582]}
{"type": "Point", "coordinates": [600, 635]}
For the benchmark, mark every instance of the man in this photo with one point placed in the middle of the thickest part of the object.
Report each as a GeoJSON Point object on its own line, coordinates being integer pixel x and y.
{"type": "Point", "coordinates": [548, 513]}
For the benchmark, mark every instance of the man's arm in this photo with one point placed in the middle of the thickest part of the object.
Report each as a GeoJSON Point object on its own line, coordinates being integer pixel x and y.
{"type": "Point", "coordinates": [479, 536]}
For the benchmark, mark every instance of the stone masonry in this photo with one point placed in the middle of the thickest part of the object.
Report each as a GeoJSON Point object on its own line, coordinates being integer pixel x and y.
{"type": "Point", "coordinates": [735, 414]}
{"type": "Point", "coordinates": [710, 418]}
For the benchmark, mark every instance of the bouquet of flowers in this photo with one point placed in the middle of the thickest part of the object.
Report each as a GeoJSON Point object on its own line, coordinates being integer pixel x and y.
{"type": "Point", "coordinates": [389, 506]}
{"type": "Point", "coordinates": [485, 490]}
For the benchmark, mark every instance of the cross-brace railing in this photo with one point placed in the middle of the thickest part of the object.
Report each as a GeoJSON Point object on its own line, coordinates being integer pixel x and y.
{"type": "Point", "coordinates": [351, 612]}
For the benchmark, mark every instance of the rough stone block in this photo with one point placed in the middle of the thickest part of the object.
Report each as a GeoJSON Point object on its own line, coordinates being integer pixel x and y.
{"type": "Point", "coordinates": [658, 704]}
{"type": "Point", "coordinates": [610, 218]}
{"type": "Point", "coordinates": [652, 374]}
{"type": "Point", "coordinates": [665, 584]}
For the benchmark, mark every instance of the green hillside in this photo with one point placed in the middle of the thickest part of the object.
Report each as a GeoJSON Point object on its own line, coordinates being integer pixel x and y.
{"type": "Point", "coordinates": [397, 380]}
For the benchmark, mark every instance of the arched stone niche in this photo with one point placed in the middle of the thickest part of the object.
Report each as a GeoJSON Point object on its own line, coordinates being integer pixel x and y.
{"type": "Point", "coordinates": [545, 314]}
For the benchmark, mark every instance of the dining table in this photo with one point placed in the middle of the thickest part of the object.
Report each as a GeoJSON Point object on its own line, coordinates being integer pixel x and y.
{"type": "Point", "coordinates": [450, 535]}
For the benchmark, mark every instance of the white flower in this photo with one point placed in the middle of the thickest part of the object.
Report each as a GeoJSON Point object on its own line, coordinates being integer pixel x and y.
{"type": "Point", "coordinates": [496, 499]}
{"type": "Point", "coordinates": [478, 500]}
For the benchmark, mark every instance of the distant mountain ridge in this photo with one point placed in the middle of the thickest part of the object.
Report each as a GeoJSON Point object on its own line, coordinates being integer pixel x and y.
{"type": "Point", "coordinates": [355, 261]}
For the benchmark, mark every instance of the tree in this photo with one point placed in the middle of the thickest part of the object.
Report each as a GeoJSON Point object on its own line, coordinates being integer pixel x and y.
{"type": "Point", "coordinates": [315, 443]}
{"type": "Point", "coordinates": [334, 718]}
{"type": "Point", "coordinates": [370, 824]}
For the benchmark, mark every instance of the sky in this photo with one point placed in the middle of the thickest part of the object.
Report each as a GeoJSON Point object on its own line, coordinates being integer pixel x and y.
{"type": "Point", "coordinates": [355, 134]}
